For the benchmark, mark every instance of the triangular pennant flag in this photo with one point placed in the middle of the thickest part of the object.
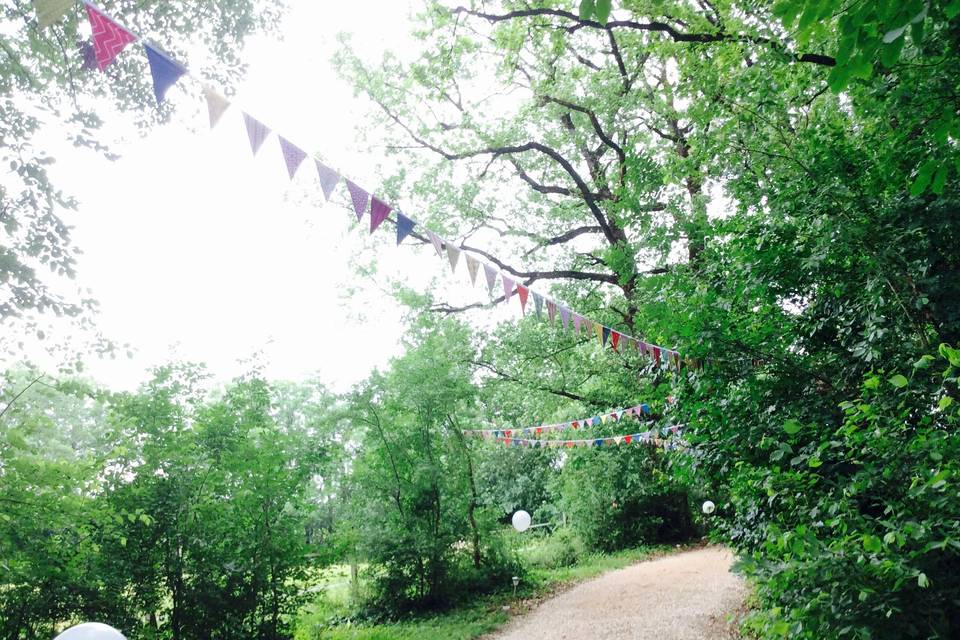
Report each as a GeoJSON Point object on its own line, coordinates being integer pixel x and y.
{"type": "Point", "coordinates": [491, 275]}
{"type": "Point", "coordinates": [603, 419]}
{"type": "Point", "coordinates": [627, 439]}
{"type": "Point", "coordinates": [551, 311]}
{"type": "Point", "coordinates": [507, 289]}
{"type": "Point", "coordinates": [404, 227]}
{"type": "Point", "coordinates": [523, 292]}
{"type": "Point", "coordinates": [256, 131]}
{"type": "Point", "coordinates": [379, 210]}
{"type": "Point", "coordinates": [473, 265]}
{"type": "Point", "coordinates": [615, 340]}
{"type": "Point", "coordinates": [49, 11]}
{"type": "Point", "coordinates": [436, 242]}
{"type": "Point", "coordinates": [656, 354]}
{"type": "Point", "coordinates": [575, 424]}
{"type": "Point", "coordinates": [596, 420]}
{"type": "Point", "coordinates": [618, 439]}
{"type": "Point", "coordinates": [328, 179]}
{"type": "Point", "coordinates": [538, 304]}
{"type": "Point", "coordinates": [216, 105]}
{"type": "Point", "coordinates": [598, 329]}
{"type": "Point", "coordinates": [606, 335]}
{"type": "Point", "coordinates": [453, 255]}
{"type": "Point", "coordinates": [164, 70]}
{"type": "Point", "coordinates": [359, 197]}
{"type": "Point", "coordinates": [587, 325]}
{"type": "Point", "coordinates": [292, 156]}
{"type": "Point", "coordinates": [109, 38]}
{"type": "Point", "coordinates": [577, 319]}
{"type": "Point", "coordinates": [565, 317]}
{"type": "Point", "coordinates": [642, 348]}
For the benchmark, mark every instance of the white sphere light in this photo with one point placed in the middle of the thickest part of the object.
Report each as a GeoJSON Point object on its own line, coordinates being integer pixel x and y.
{"type": "Point", "coordinates": [91, 631]}
{"type": "Point", "coordinates": [708, 507]}
{"type": "Point", "coordinates": [521, 521]}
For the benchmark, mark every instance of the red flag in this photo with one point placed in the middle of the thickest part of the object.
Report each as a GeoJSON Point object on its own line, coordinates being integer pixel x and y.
{"type": "Point", "coordinates": [523, 292]}
{"type": "Point", "coordinates": [656, 354]}
{"type": "Point", "coordinates": [109, 38]}
{"type": "Point", "coordinates": [627, 439]}
{"type": "Point", "coordinates": [616, 340]}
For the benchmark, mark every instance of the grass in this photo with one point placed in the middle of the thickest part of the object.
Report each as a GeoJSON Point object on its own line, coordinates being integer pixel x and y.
{"type": "Point", "coordinates": [488, 612]}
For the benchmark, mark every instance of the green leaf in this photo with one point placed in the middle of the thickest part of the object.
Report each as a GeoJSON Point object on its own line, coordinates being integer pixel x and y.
{"type": "Point", "coordinates": [890, 53]}
{"type": "Point", "coordinates": [839, 78]}
{"type": "Point", "coordinates": [587, 8]}
{"type": "Point", "coordinates": [792, 427]}
{"type": "Point", "coordinates": [952, 9]}
{"type": "Point", "coordinates": [945, 402]}
{"type": "Point", "coordinates": [922, 581]}
{"type": "Point", "coordinates": [940, 180]}
{"type": "Point", "coordinates": [922, 180]}
{"type": "Point", "coordinates": [813, 463]}
{"type": "Point", "coordinates": [780, 628]}
{"type": "Point", "coordinates": [872, 544]}
{"type": "Point", "coordinates": [602, 10]}
{"type": "Point", "coordinates": [899, 381]}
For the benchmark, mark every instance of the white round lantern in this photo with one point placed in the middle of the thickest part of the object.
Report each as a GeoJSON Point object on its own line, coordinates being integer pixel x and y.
{"type": "Point", "coordinates": [91, 631]}
{"type": "Point", "coordinates": [708, 507]}
{"type": "Point", "coordinates": [521, 521]}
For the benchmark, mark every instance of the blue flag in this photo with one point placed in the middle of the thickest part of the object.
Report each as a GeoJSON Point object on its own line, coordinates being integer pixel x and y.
{"type": "Point", "coordinates": [165, 71]}
{"type": "Point", "coordinates": [404, 227]}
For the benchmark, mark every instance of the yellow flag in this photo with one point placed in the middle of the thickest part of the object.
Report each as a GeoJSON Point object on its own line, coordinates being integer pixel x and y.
{"type": "Point", "coordinates": [49, 11]}
{"type": "Point", "coordinates": [598, 328]}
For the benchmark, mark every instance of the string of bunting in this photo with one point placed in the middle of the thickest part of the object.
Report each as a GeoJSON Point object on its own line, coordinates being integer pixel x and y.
{"type": "Point", "coordinates": [657, 437]}
{"type": "Point", "coordinates": [639, 411]}
{"type": "Point", "coordinates": [110, 37]}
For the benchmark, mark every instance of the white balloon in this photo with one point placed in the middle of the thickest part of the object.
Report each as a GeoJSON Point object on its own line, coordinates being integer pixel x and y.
{"type": "Point", "coordinates": [521, 521]}
{"type": "Point", "coordinates": [91, 631]}
{"type": "Point", "coordinates": [708, 507]}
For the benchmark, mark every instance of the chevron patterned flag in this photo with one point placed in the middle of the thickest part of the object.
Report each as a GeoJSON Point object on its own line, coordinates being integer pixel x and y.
{"type": "Point", "coordinates": [109, 38]}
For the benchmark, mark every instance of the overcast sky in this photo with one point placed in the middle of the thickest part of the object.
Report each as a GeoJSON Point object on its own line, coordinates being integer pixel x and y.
{"type": "Point", "coordinates": [198, 251]}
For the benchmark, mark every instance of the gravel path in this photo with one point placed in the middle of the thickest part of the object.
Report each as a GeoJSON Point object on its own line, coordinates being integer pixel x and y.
{"type": "Point", "coordinates": [685, 596]}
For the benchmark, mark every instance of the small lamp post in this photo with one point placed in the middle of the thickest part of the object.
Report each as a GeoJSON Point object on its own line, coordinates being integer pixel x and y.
{"type": "Point", "coordinates": [516, 581]}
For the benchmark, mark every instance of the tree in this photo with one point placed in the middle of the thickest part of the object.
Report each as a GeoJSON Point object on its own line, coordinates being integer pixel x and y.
{"type": "Point", "coordinates": [48, 86]}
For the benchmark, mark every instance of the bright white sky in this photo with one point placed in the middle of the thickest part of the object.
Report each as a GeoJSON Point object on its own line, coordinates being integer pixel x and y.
{"type": "Point", "coordinates": [198, 251]}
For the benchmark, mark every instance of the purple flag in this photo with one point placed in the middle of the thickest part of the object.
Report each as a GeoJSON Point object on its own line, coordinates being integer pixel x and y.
{"type": "Point", "coordinates": [328, 179]}
{"type": "Point", "coordinates": [379, 210]}
{"type": "Point", "coordinates": [507, 289]}
{"type": "Point", "coordinates": [551, 311]}
{"type": "Point", "coordinates": [565, 317]}
{"type": "Point", "coordinates": [256, 130]}
{"type": "Point", "coordinates": [577, 319]}
{"type": "Point", "coordinates": [292, 155]}
{"type": "Point", "coordinates": [491, 275]}
{"type": "Point", "coordinates": [360, 198]}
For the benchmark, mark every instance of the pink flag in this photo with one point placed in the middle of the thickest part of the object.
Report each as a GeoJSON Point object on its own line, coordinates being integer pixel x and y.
{"type": "Point", "coordinates": [328, 179]}
{"type": "Point", "coordinates": [256, 131]}
{"type": "Point", "coordinates": [109, 38]}
{"type": "Point", "coordinates": [577, 319]}
{"type": "Point", "coordinates": [292, 155]}
{"type": "Point", "coordinates": [507, 289]}
{"type": "Point", "coordinates": [565, 317]}
{"type": "Point", "coordinates": [379, 211]}
{"type": "Point", "coordinates": [359, 197]}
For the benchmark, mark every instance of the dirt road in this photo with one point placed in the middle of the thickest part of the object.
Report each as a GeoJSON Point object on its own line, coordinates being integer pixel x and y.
{"type": "Point", "coordinates": [685, 596]}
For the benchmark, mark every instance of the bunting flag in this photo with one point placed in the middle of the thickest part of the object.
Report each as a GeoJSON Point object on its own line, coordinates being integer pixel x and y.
{"type": "Point", "coordinates": [404, 227]}
{"type": "Point", "coordinates": [507, 288]}
{"type": "Point", "coordinates": [436, 242]}
{"type": "Point", "coordinates": [256, 131]}
{"type": "Point", "coordinates": [328, 179]}
{"type": "Point", "coordinates": [359, 197]}
{"type": "Point", "coordinates": [216, 105]}
{"type": "Point", "coordinates": [165, 71]}
{"type": "Point", "coordinates": [293, 156]}
{"type": "Point", "coordinates": [522, 293]}
{"type": "Point", "coordinates": [640, 412]}
{"type": "Point", "coordinates": [668, 439]}
{"type": "Point", "coordinates": [89, 56]}
{"type": "Point", "coordinates": [538, 304]}
{"type": "Point", "coordinates": [453, 255]}
{"type": "Point", "coordinates": [491, 275]}
{"type": "Point", "coordinates": [379, 210]}
{"type": "Point", "coordinates": [49, 11]}
{"type": "Point", "coordinates": [473, 265]}
{"type": "Point", "coordinates": [109, 38]}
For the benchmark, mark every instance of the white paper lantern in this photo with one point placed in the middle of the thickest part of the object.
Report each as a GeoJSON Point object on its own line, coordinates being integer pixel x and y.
{"type": "Point", "coordinates": [521, 521]}
{"type": "Point", "coordinates": [91, 631]}
{"type": "Point", "coordinates": [708, 507]}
